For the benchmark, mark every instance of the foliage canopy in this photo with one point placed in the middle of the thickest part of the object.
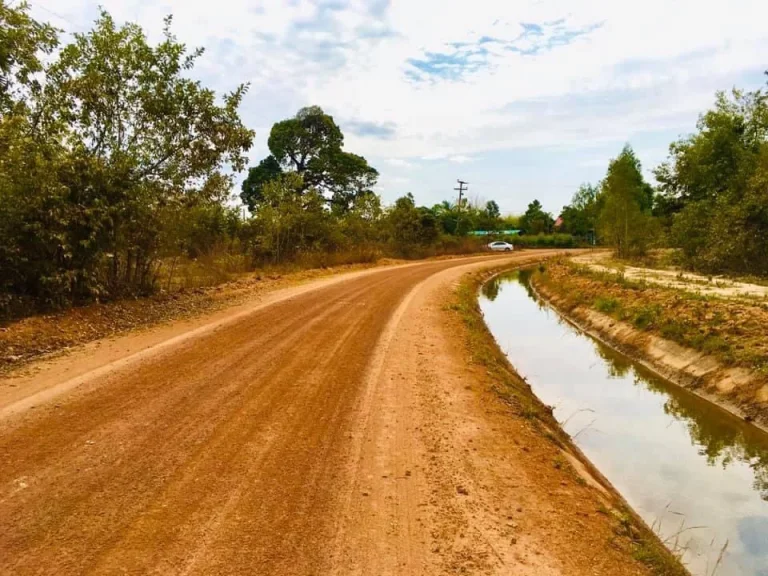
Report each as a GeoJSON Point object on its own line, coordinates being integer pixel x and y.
{"type": "Point", "coordinates": [714, 187]}
{"type": "Point", "coordinates": [310, 144]}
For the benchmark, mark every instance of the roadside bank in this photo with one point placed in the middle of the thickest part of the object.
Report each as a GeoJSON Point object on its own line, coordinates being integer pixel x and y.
{"type": "Point", "coordinates": [714, 347]}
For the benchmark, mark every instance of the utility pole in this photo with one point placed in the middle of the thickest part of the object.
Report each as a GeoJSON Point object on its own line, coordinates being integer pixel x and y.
{"type": "Point", "coordinates": [461, 189]}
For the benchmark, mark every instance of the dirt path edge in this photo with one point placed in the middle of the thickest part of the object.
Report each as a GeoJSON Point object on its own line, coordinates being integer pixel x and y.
{"type": "Point", "coordinates": [647, 546]}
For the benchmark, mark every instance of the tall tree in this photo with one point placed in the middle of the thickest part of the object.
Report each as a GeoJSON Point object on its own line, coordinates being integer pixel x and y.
{"type": "Point", "coordinates": [410, 225]}
{"type": "Point", "coordinates": [289, 221]}
{"type": "Point", "coordinates": [625, 218]}
{"type": "Point", "coordinates": [492, 210]}
{"type": "Point", "coordinates": [122, 136]}
{"type": "Point", "coordinates": [310, 144]}
{"type": "Point", "coordinates": [535, 220]}
{"type": "Point", "coordinates": [268, 170]}
{"type": "Point", "coordinates": [22, 42]}
{"type": "Point", "coordinates": [580, 216]}
{"type": "Point", "coordinates": [361, 224]}
{"type": "Point", "coordinates": [711, 185]}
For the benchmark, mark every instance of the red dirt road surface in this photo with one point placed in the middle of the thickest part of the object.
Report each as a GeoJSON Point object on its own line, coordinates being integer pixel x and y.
{"type": "Point", "coordinates": [333, 429]}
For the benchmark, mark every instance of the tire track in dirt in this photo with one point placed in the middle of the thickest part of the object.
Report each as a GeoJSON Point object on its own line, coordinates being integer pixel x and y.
{"type": "Point", "coordinates": [128, 455]}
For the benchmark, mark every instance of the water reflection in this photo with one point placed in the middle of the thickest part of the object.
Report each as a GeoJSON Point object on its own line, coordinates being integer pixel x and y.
{"type": "Point", "coordinates": [492, 288]}
{"type": "Point", "coordinates": [672, 454]}
{"type": "Point", "coordinates": [720, 437]}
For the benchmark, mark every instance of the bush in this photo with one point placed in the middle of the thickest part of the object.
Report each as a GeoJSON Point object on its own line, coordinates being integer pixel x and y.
{"type": "Point", "coordinates": [646, 316]}
{"type": "Point", "coordinates": [606, 305]}
{"type": "Point", "coordinates": [544, 241]}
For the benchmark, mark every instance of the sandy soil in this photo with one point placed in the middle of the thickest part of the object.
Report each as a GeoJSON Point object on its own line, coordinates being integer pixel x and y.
{"type": "Point", "coordinates": [688, 281]}
{"type": "Point", "coordinates": [335, 428]}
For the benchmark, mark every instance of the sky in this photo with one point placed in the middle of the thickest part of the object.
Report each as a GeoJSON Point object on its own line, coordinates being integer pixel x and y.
{"type": "Point", "coordinates": [523, 100]}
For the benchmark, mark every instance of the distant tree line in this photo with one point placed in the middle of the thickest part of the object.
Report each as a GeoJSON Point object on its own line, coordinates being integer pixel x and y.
{"type": "Point", "coordinates": [712, 196]}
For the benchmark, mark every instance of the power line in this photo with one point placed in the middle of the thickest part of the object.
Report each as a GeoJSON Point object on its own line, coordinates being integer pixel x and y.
{"type": "Point", "coordinates": [463, 186]}
{"type": "Point", "coordinates": [78, 27]}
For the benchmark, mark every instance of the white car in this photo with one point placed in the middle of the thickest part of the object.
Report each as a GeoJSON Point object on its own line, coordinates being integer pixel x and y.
{"type": "Point", "coordinates": [501, 246]}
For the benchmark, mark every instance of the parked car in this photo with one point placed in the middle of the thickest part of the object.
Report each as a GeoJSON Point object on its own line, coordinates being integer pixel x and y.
{"type": "Point", "coordinates": [501, 246]}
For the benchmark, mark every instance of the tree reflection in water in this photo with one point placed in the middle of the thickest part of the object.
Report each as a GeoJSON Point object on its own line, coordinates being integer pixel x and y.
{"type": "Point", "coordinates": [721, 437]}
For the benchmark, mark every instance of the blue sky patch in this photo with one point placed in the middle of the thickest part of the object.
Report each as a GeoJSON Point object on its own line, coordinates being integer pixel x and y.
{"type": "Point", "coordinates": [464, 57]}
{"type": "Point", "coordinates": [381, 131]}
{"type": "Point", "coordinates": [450, 66]}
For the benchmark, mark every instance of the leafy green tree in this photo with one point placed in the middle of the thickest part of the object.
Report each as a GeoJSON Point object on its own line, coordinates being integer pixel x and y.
{"type": "Point", "coordinates": [410, 225]}
{"type": "Point", "coordinates": [489, 218]}
{"type": "Point", "coordinates": [580, 216]}
{"type": "Point", "coordinates": [492, 210]}
{"type": "Point", "coordinates": [625, 219]}
{"type": "Point", "coordinates": [116, 134]}
{"type": "Point", "coordinates": [310, 144]}
{"type": "Point", "coordinates": [142, 135]}
{"type": "Point", "coordinates": [22, 41]}
{"type": "Point", "coordinates": [454, 219]}
{"type": "Point", "coordinates": [268, 169]}
{"type": "Point", "coordinates": [719, 158]}
{"type": "Point", "coordinates": [446, 215]}
{"type": "Point", "coordinates": [535, 220]}
{"type": "Point", "coordinates": [712, 187]}
{"type": "Point", "coordinates": [289, 221]}
{"type": "Point", "coordinates": [361, 224]}
{"type": "Point", "coordinates": [510, 222]}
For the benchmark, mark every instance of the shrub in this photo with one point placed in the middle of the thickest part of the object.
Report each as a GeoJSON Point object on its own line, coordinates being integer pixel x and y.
{"type": "Point", "coordinates": [544, 241]}
{"type": "Point", "coordinates": [606, 305]}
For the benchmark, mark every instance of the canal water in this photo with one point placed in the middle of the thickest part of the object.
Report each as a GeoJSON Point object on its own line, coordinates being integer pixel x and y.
{"type": "Point", "coordinates": [696, 474]}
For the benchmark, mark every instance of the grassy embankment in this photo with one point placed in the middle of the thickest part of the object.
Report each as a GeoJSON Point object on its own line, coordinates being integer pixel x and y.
{"type": "Point", "coordinates": [729, 332]}
{"type": "Point", "coordinates": [630, 533]}
{"type": "Point", "coordinates": [733, 331]}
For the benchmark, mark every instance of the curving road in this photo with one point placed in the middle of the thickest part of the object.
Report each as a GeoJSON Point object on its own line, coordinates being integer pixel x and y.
{"type": "Point", "coordinates": [268, 445]}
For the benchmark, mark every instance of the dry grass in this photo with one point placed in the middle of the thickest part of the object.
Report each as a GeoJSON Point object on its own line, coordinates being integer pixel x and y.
{"type": "Point", "coordinates": [182, 273]}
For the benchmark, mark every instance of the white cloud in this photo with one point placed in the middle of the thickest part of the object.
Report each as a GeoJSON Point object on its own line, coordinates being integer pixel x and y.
{"type": "Point", "coordinates": [399, 163]}
{"type": "Point", "coordinates": [602, 72]}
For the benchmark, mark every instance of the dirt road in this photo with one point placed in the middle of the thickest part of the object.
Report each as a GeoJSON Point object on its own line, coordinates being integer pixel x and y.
{"type": "Point", "coordinates": [337, 430]}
